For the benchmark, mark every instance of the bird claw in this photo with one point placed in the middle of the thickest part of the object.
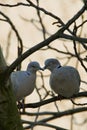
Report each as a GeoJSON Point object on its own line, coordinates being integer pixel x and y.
{"type": "Point", "coordinates": [20, 105]}
{"type": "Point", "coordinates": [60, 97]}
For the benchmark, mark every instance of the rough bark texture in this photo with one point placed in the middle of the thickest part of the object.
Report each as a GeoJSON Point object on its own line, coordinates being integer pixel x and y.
{"type": "Point", "coordinates": [9, 116]}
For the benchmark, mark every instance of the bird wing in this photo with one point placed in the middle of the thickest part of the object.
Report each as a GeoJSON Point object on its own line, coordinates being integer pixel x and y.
{"type": "Point", "coordinates": [23, 83]}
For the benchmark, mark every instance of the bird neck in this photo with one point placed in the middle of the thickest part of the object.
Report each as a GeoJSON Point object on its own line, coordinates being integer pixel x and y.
{"type": "Point", "coordinates": [54, 67]}
{"type": "Point", "coordinates": [28, 73]}
{"type": "Point", "coordinates": [32, 71]}
{"type": "Point", "coordinates": [59, 66]}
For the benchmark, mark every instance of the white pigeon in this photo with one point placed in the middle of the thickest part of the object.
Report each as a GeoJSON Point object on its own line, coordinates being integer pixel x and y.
{"type": "Point", "coordinates": [64, 80]}
{"type": "Point", "coordinates": [23, 82]}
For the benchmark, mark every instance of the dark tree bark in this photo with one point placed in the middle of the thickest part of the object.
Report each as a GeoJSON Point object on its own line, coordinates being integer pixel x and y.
{"type": "Point", "coordinates": [9, 116]}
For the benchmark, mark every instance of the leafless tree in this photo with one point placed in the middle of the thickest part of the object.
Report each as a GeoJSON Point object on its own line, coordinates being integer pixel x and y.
{"type": "Point", "coordinates": [72, 31]}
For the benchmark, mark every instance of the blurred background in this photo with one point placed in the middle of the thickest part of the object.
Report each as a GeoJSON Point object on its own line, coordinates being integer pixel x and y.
{"type": "Point", "coordinates": [32, 27]}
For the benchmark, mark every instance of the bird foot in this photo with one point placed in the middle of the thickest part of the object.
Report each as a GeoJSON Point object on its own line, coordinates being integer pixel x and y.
{"type": "Point", "coordinates": [60, 97]}
{"type": "Point", "coordinates": [20, 105]}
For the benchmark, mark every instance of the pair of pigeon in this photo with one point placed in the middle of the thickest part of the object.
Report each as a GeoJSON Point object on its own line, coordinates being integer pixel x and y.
{"type": "Point", "coordinates": [64, 80]}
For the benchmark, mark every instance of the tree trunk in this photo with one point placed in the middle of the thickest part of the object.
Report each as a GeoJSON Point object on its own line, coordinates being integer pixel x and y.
{"type": "Point", "coordinates": [9, 116]}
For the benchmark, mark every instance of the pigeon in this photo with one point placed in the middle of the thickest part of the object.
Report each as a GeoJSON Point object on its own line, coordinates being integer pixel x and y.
{"type": "Point", "coordinates": [64, 80]}
{"type": "Point", "coordinates": [23, 82]}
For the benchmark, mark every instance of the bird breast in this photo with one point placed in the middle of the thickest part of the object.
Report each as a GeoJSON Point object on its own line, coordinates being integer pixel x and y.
{"type": "Point", "coordinates": [65, 81]}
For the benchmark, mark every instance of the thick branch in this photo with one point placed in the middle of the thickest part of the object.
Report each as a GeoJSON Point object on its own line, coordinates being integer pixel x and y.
{"type": "Point", "coordinates": [37, 47]}
{"type": "Point", "coordinates": [60, 114]}
{"type": "Point", "coordinates": [69, 37]}
{"type": "Point", "coordinates": [58, 34]}
{"type": "Point", "coordinates": [68, 112]}
{"type": "Point", "coordinates": [43, 124]}
{"type": "Point", "coordinates": [56, 98]}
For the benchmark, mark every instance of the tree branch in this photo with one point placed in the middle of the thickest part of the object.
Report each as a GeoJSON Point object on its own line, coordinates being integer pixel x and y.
{"type": "Point", "coordinates": [15, 5]}
{"type": "Point", "coordinates": [60, 114]}
{"type": "Point", "coordinates": [43, 124]}
{"type": "Point", "coordinates": [68, 112]}
{"type": "Point", "coordinates": [37, 47]}
{"type": "Point", "coordinates": [76, 38]}
{"type": "Point", "coordinates": [13, 28]}
{"type": "Point", "coordinates": [56, 98]}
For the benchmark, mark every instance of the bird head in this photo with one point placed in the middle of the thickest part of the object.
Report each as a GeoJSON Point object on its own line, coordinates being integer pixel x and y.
{"type": "Point", "coordinates": [33, 66]}
{"type": "Point", "coordinates": [51, 64]}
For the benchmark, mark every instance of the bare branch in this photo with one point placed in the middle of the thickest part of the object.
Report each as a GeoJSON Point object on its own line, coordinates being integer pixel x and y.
{"type": "Point", "coordinates": [56, 98]}
{"type": "Point", "coordinates": [13, 28]}
{"type": "Point", "coordinates": [15, 5]}
{"type": "Point", "coordinates": [60, 114]}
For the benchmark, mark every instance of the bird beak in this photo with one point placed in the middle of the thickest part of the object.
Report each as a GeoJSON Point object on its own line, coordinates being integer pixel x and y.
{"type": "Point", "coordinates": [45, 67]}
{"type": "Point", "coordinates": [41, 69]}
